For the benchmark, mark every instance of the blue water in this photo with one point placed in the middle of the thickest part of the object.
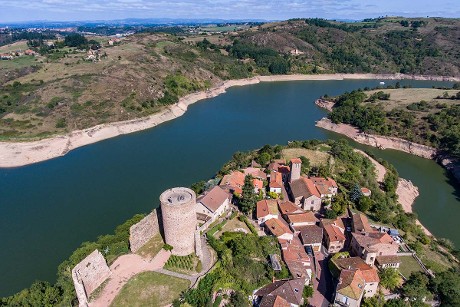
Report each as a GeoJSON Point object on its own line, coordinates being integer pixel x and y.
{"type": "Point", "coordinates": [48, 209]}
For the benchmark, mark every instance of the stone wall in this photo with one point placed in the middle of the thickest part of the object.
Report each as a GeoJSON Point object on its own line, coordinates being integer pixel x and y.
{"type": "Point", "coordinates": [88, 275]}
{"type": "Point", "coordinates": [198, 247]}
{"type": "Point", "coordinates": [142, 232]}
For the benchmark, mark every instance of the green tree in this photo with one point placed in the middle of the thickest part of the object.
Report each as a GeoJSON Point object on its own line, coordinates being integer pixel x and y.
{"type": "Point", "coordinates": [447, 285]}
{"type": "Point", "coordinates": [198, 187]}
{"type": "Point", "coordinates": [415, 288]}
{"type": "Point", "coordinates": [248, 200]}
{"type": "Point", "coordinates": [364, 203]}
{"type": "Point", "coordinates": [389, 278]}
{"type": "Point", "coordinates": [305, 165]}
{"type": "Point", "coordinates": [264, 158]}
{"type": "Point", "coordinates": [355, 193]}
{"type": "Point", "coordinates": [238, 299]}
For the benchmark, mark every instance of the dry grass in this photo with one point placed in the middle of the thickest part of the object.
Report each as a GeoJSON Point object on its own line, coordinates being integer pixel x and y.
{"type": "Point", "coordinates": [150, 289]}
{"type": "Point", "coordinates": [405, 96]}
{"type": "Point", "coordinates": [152, 247]}
{"type": "Point", "coordinates": [316, 157]}
{"type": "Point", "coordinates": [20, 45]}
{"type": "Point", "coordinates": [232, 225]}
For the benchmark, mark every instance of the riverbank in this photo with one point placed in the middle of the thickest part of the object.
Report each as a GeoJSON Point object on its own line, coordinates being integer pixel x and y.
{"type": "Point", "coordinates": [15, 154]}
{"type": "Point", "coordinates": [407, 192]}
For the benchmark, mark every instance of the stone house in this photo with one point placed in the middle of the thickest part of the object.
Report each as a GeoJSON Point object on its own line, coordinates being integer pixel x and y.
{"type": "Point", "coordinates": [334, 238]}
{"type": "Point", "coordinates": [305, 194]}
{"type": "Point", "coordinates": [371, 245]}
{"type": "Point", "coordinates": [350, 288]}
{"type": "Point", "coordinates": [280, 293]}
{"type": "Point", "coordinates": [327, 187]}
{"type": "Point", "coordinates": [301, 219]}
{"type": "Point", "coordinates": [296, 259]}
{"type": "Point", "coordinates": [310, 235]}
{"type": "Point", "coordinates": [370, 274]}
{"type": "Point", "coordinates": [279, 229]}
{"type": "Point", "coordinates": [276, 182]}
{"type": "Point", "coordinates": [266, 209]}
{"type": "Point", "coordinates": [233, 182]}
{"type": "Point", "coordinates": [213, 203]}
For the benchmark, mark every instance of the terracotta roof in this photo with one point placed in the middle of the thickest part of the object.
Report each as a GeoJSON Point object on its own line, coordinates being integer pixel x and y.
{"type": "Point", "coordinates": [361, 223]}
{"type": "Point", "coordinates": [266, 207]}
{"type": "Point", "coordinates": [369, 273]}
{"type": "Point", "coordinates": [387, 259]}
{"type": "Point", "coordinates": [339, 222]}
{"type": "Point", "coordinates": [334, 233]}
{"type": "Point", "coordinates": [233, 181]}
{"type": "Point", "coordinates": [369, 240]}
{"type": "Point", "coordinates": [365, 191]}
{"type": "Point", "coordinates": [214, 198]}
{"type": "Point", "coordinates": [351, 284]}
{"type": "Point", "coordinates": [274, 301]}
{"type": "Point", "coordinates": [310, 234]}
{"type": "Point", "coordinates": [296, 160]}
{"type": "Point", "coordinates": [304, 187]}
{"type": "Point", "coordinates": [255, 172]}
{"type": "Point", "coordinates": [259, 184]}
{"type": "Point", "coordinates": [290, 290]}
{"type": "Point", "coordinates": [304, 217]}
{"type": "Point", "coordinates": [324, 184]}
{"type": "Point", "coordinates": [276, 179]}
{"type": "Point", "coordinates": [277, 227]}
{"type": "Point", "coordinates": [288, 207]}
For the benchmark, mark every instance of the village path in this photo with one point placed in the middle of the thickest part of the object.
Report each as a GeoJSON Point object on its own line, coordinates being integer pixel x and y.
{"type": "Point", "coordinates": [124, 268]}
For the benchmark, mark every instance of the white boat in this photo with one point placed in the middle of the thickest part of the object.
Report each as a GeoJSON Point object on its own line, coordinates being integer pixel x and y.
{"type": "Point", "coordinates": [382, 83]}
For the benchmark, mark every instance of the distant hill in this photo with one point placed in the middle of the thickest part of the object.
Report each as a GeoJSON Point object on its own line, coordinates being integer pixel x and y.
{"type": "Point", "coordinates": [64, 88]}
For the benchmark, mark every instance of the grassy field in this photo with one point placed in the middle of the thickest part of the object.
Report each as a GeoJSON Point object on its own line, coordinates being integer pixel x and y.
{"type": "Point", "coordinates": [231, 226]}
{"type": "Point", "coordinates": [150, 289]}
{"type": "Point", "coordinates": [408, 266]}
{"type": "Point", "coordinates": [152, 247]}
{"type": "Point", "coordinates": [403, 97]}
{"type": "Point", "coordinates": [316, 157]}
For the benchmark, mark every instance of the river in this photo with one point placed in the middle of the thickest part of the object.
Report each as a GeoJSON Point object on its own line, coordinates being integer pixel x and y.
{"type": "Point", "coordinates": [48, 209]}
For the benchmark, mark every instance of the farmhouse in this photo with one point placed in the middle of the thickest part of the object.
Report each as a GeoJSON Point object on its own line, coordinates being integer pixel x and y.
{"type": "Point", "coordinates": [213, 203]}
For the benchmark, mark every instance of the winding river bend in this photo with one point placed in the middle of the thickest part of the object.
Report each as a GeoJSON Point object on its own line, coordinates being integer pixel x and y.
{"type": "Point", "coordinates": [48, 209]}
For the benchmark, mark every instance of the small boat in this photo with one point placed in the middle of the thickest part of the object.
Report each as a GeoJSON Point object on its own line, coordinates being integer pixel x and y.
{"type": "Point", "coordinates": [382, 83]}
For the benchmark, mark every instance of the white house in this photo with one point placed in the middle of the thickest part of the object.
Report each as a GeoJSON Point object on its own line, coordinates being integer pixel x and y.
{"type": "Point", "coordinates": [213, 203]}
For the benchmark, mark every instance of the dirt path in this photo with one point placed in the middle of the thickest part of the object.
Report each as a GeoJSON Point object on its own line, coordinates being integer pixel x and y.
{"type": "Point", "coordinates": [124, 268]}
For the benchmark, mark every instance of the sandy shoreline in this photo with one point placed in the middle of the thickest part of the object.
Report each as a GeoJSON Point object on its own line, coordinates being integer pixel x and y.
{"type": "Point", "coordinates": [14, 154]}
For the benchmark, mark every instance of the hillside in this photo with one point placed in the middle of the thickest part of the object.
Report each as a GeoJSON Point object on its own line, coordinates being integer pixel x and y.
{"type": "Point", "coordinates": [67, 87]}
{"type": "Point", "coordinates": [425, 116]}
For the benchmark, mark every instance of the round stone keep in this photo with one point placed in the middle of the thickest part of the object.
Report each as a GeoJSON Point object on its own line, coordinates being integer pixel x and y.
{"type": "Point", "coordinates": [179, 219]}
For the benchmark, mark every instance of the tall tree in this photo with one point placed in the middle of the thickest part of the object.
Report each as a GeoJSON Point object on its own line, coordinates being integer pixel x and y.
{"type": "Point", "coordinates": [248, 200]}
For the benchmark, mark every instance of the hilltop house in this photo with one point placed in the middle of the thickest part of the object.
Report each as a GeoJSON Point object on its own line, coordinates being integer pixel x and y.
{"type": "Point", "coordinates": [287, 207]}
{"type": "Point", "coordinates": [276, 182]}
{"type": "Point", "coordinates": [310, 235]}
{"type": "Point", "coordinates": [370, 275]}
{"type": "Point", "coordinates": [301, 219]}
{"type": "Point", "coordinates": [279, 229]}
{"type": "Point", "coordinates": [296, 259]}
{"type": "Point", "coordinates": [368, 246]}
{"type": "Point", "coordinates": [233, 182]}
{"type": "Point", "coordinates": [213, 203]}
{"type": "Point", "coordinates": [304, 194]}
{"type": "Point", "coordinates": [281, 293]}
{"type": "Point", "coordinates": [327, 187]}
{"type": "Point", "coordinates": [267, 209]}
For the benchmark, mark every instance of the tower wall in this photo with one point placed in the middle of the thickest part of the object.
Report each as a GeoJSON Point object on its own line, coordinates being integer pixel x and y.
{"type": "Point", "coordinates": [179, 219]}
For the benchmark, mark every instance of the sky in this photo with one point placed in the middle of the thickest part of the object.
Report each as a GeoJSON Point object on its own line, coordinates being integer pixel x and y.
{"type": "Point", "coordinates": [74, 10]}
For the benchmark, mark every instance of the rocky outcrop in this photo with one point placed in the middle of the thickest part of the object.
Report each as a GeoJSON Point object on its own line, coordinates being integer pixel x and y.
{"type": "Point", "coordinates": [451, 164]}
{"type": "Point", "coordinates": [325, 104]}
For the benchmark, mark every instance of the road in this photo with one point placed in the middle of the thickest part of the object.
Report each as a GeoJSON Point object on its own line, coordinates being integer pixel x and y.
{"type": "Point", "coordinates": [324, 286]}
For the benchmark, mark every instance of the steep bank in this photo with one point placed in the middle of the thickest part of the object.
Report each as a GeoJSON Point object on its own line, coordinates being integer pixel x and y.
{"type": "Point", "coordinates": [382, 142]}
{"type": "Point", "coordinates": [14, 154]}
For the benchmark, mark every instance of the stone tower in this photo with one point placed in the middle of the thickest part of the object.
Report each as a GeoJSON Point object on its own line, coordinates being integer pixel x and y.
{"type": "Point", "coordinates": [296, 165]}
{"type": "Point", "coordinates": [179, 219]}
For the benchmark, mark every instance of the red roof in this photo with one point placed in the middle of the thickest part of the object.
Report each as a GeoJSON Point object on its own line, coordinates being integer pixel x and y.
{"type": "Point", "coordinates": [296, 161]}
{"type": "Point", "coordinates": [305, 217]}
{"type": "Point", "coordinates": [276, 180]}
{"type": "Point", "coordinates": [334, 233]}
{"type": "Point", "coordinates": [233, 181]}
{"type": "Point", "coordinates": [259, 184]}
{"type": "Point", "coordinates": [288, 207]}
{"type": "Point", "coordinates": [311, 187]}
{"type": "Point", "coordinates": [277, 227]}
{"type": "Point", "coordinates": [214, 198]}
{"type": "Point", "coordinates": [266, 207]}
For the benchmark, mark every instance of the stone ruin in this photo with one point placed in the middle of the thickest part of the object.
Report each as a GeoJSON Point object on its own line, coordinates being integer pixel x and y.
{"type": "Point", "coordinates": [143, 231]}
{"type": "Point", "coordinates": [88, 275]}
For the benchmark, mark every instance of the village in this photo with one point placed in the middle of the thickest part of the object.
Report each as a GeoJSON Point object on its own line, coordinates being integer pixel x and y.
{"type": "Point", "coordinates": [329, 260]}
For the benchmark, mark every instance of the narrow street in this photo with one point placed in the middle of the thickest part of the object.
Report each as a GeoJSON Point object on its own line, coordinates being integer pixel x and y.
{"type": "Point", "coordinates": [323, 287]}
